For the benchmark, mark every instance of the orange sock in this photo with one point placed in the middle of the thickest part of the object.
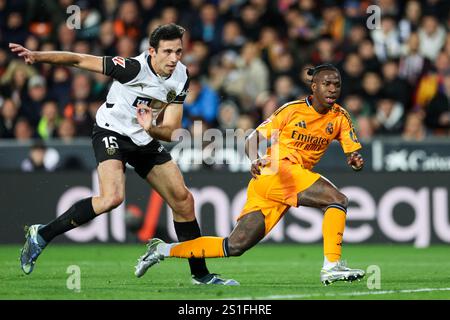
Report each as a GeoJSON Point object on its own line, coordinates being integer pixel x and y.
{"type": "Point", "coordinates": [203, 247]}
{"type": "Point", "coordinates": [333, 231]}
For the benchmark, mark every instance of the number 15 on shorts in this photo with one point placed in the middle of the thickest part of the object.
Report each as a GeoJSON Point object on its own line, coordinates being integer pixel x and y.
{"type": "Point", "coordinates": [111, 144]}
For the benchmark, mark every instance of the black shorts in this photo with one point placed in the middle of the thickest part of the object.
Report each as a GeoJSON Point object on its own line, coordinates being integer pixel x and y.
{"type": "Point", "coordinates": [111, 145]}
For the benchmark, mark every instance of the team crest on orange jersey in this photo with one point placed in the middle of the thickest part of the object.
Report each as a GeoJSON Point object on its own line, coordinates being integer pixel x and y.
{"type": "Point", "coordinates": [329, 128]}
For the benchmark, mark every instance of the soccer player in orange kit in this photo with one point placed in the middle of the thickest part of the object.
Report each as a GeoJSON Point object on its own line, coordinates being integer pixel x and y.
{"type": "Point", "coordinates": [300, 132]}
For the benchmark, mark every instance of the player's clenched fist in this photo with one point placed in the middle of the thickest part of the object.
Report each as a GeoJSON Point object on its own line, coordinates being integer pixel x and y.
{"type": "Point", "coordinates": [356, 161]}
{"type": "Point", "coordinates": [21, 51]}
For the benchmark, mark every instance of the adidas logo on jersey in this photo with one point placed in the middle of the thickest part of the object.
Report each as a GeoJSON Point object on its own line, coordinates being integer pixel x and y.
{"type": "Point", "coordinates": [301, 124]}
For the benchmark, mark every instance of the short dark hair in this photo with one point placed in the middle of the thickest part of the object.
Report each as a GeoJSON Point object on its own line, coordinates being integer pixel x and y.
{"type": "Point", "coordinates": [313, 71]}
{"type": "Point", "coordinates": [170, 31]}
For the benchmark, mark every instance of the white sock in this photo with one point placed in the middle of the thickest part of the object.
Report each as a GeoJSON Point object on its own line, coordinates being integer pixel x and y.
{"type": "Point", "coordinates": [328, 264]}
{"type": "Point", "coordinates": [164, 248]}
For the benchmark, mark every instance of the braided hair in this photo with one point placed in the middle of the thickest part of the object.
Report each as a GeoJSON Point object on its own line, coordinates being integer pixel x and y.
{"type": "Point", "coordinates": [313, 71]}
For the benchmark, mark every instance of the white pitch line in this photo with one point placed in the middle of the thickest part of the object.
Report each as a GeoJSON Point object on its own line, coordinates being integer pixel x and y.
{"type": "Point", "coordinates": [355, 293]}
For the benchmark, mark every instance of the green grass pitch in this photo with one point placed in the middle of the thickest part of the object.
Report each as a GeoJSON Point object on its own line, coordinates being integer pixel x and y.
{"type": "Point", "coordinates": [265, 272]}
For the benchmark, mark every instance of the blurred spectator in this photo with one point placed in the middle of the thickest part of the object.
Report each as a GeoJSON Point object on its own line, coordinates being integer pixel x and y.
{"type": "Point", "coordinates": [267, 12]}
{"type": "Point", "coordinates": [355, 11]}
{"type": "Point", "coordinates": [325, 52]}
{"type": "Point", "coordinates": [360, 114]}
{"type": "Point", "coordinates": [94, 106]}
{"type": "Point", "coordinates": [232, 38]}
{"type": "Point", "coordinates": [32, 42]}
{"type": "Point", "coordinates": [411, 20]}
{"type": "Point", "coordinates": [414, 127]}
{"type": "Point", "coordinates": [82, 46]}
{"type": "Point", "coordinates": [351, 75]}
{"type": "Point", "coordinates": [8, 119]}
{"type": "Point", "coordinates": [49, 121]}
{"type": "Point", "coordinates": [66, 130]}
{"type": "Point", "coordinates": [90, 21]}
{"type": "Point", "coordinates": [356, 107]}
{"type": "Point", "coordinates": [250, 22]}
{"type": "Point", "coordinates": [201, 102]}
{"type": "Point", "coordinates": [388, 117]}
{"type": "Point", "coordinates": [192, 64]}
{"type": "Point", "coordinates": [37, 93]}
{"type": "Point", "coordinates": [245, 123]}
{"type": "Point", "coordinates": [437, 8]}
{"type": "Point", "coordinates": [82, 119]}
{"type": "Point", "coordinates": [438, 111]}
{"type": "Point", "coordinates": [81, 87]}
{"type": "Point", "coordinates": [107, 39]}
{"type": "Point", "coordinates": [412, 64]}
{"type": "Point", "coordinates": [228, 115]}
{"type": "Point", "coordinates": [298, 26]}
{"type": "Point", "coordinates": [100, 86]}
{"type": "Point", "coordinates": [66, 37]}
{"type": "Point", "coordinates": [270, 45]}
{"type": "Point", "coordinates": [14, 30]}
{"type": "Point", "coordinates": [109, 9]}
{"type": "Point", "coordinates": [371, 89]}
{"type": "Point", "coordinates": [148, 10]}
{"type": "Point", "coordinates": [428, 84]}
{"type": "Point", "coordinates": [250, 78]}
{"type": "Point", "coordinates": [39, 18]}
{"type": "Point", "coordinates": [128, 20]}
{"type": "Point", "coordinates": [268, 105]}
{"type": "Point", "coordinates": [126, 47]}
{"type": "Point", "coordinates": [333, 22]}
{"type": "Point", "coordinates": [394, 86]}
{"type": "Point", "coordinates": [284, 66]}
{"type": "Point", "coordinates": [389, 7]}
{"type": "Point", "coordinates": [209, 28]}
{"type": "Point", "coordinates": [60, 88]}
{"type": "Point", "coordinates": [285, 90]}
{"type": "Point", "coordinates": [432, 37]}
{"type": "Point", "coordinates": [23, 131]}
{"type": "Point", "coordinates": [200, 51]}
{"type": "Point", "coordinates": [387, 39]}
{"type": "Point", "coordinates": [169, 15]}
{"type": "Point", "coordinates": [14, 79]}
{"type": "Point", "coordinates": [357, 34]}
{"type": "Point", "coordinates": [366, 51]}
{"type": "Point", "coordinates": [40, 158]}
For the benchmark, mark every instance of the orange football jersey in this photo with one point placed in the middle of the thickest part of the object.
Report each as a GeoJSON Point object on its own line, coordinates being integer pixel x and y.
{"type": "Point", "coordinates": [302, 135]}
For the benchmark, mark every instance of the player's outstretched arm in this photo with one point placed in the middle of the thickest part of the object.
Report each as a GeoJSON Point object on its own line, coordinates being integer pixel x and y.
{"type": "Point", "coordinates": [355, 160]}
{"type": "Point", "coordinates": [78, 60]}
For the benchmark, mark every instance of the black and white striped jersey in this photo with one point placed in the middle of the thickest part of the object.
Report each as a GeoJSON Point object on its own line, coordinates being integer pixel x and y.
{"type": "Point", "coordinates": [136, 82]}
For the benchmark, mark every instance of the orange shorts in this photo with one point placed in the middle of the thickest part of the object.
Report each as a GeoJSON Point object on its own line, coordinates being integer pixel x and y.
{"type": "Point", "coordinates": [274, 194]}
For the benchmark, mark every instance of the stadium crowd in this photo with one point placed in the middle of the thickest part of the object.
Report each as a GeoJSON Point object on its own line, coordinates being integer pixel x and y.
{"type": "Point", "coordinates": [245, 59]}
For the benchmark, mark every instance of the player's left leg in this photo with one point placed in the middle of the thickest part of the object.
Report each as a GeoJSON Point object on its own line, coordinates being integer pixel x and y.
{"type": "Point", "coordinates": [167, 179]}
{"type": "Point", "coordinates": [325, 196]}
{"type": "Point", "coordinates": [249, 230]}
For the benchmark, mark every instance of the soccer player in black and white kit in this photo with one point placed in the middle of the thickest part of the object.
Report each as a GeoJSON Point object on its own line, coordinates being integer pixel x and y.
{"type": "Point", "coordinates": [144, 105]}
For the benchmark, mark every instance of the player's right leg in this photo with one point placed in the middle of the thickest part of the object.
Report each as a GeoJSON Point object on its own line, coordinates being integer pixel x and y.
{"type": "Point", "coordinates": [112, 189]}
{"type": "Point", "coordinates": [249, 230]}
